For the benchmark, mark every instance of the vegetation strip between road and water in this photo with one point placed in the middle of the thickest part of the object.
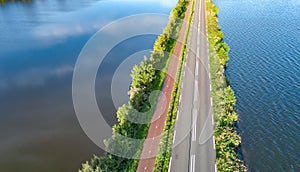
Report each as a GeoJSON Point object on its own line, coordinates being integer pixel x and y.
{"type": "Point", "coordinates": [147, 78]}
{"type": "Point", "coordinates": [227, 139]}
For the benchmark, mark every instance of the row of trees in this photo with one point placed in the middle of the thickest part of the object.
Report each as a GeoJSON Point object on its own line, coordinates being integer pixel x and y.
{"type": "Point", "coordinates": [227, 138]}
{"type": "Point", "coordinates": [146, 79]}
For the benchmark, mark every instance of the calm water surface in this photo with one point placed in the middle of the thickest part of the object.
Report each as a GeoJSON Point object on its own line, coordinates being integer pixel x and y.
{"type": "Point", "coordinates": [39, 45]}
{"type": "Point", "coordinates": [264, 36]}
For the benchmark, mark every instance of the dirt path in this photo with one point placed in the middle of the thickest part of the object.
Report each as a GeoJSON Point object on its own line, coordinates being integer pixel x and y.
{"type": "Point", "coordinates": [151, 144]}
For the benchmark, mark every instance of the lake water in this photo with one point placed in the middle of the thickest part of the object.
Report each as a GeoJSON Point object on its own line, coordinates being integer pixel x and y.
{"type": "Point", "coordinates": [40, 42]}
{"type": "Point", "coordinates": [264, 69]}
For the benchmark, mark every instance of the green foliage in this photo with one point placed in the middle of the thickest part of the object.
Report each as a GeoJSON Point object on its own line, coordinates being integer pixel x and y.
{"type": "Point", "coordinates": [227, 139]}
{"type": "Point", "coordinates": [142, 76]}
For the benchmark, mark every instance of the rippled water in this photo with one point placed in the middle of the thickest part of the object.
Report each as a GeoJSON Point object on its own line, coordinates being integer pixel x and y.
{"type": "Point", "coordinates": [39, 44]}
{"type": "Point", "coordinates": [264, 69]}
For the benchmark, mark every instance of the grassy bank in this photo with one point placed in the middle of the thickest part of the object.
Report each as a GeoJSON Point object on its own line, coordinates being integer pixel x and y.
{"type": "Point", "coordinates": [163, 157]}
{"type": "Point", "coordinates": [146, 78]}
{"type": "Point", "coordinates": [227, 138]}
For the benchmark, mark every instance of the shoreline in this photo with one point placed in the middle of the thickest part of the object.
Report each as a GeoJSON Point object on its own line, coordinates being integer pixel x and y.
{"type": "Point", "coordinates": [228, 140]}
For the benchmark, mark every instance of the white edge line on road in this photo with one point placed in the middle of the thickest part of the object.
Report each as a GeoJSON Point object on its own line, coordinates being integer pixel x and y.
{"type": "Point", "coordinates": [174, 136]}
{"type": "Point", "coordinates": [197, 68]}
{"type": "Point", "coordinates": [169, 169]}
{"type": "Point", "coordinates": [194, 132]}
{"type": "Point", "coordinates": [194, 124]}
{"type": "Point", "coordinates": [211, 102]}
{"type": "Point", "coordinates": [195, 91]}
{"type": "Point", "coordinates": [180, 98]}
{"type": "Point", "coordinates": [214, 142]}
{"type": "Point", "coordinates": [177, 115]}
{"type": "Point", "coordinates": [212, 119]}
{"type": "Point", "coordinates": [216, 169]}
{"type": "Point", "coordinates": [210, 87]}
{"type": "Point", "coordinates": [200, 12]}
{"type": "Point", "coordinates": [192, 163]}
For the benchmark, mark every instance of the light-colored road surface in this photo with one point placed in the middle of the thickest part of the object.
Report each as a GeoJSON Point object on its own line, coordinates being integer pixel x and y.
{"type": "Point", "coordinates": [193, 144]}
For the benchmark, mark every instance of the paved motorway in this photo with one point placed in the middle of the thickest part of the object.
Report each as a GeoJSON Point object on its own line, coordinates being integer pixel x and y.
{"type": "Point", "coordinates": [193, 144]}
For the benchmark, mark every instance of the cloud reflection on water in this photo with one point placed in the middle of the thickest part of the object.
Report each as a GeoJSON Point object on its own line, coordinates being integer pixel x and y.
{"type": "Point", "coordinates": [34, 77]}
{"type": "Point", "coordinates": [90, 20]}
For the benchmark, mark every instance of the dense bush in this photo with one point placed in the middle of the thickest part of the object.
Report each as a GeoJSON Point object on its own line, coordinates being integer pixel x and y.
{"type": "Point", "coordinates": [146, 77]}
{"type": "Point", "coordinates": [227, 139]}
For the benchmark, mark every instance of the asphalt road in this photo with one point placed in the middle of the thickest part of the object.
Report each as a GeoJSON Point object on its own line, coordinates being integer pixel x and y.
{"type": "Point", "coordinates": [193, 144]}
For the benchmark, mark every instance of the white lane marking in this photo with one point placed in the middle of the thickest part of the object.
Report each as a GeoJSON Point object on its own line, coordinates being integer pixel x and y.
{"type": "Point", "coordinates": [200, 12]}
{"type": "Point", "coordinates": [212, 119]}
{"type": "Point", "coordinates": [169, 169]}
{"type": "Point", "coordinates": [192, 167]}
{"type": "Point", "coordinates": [193, 163]}
{"type": "Point", "coordinates": [174, 136]}
{"type": "Point", "coordinates": [211, 102]}
{"type": "Point", "coordinates": [216, 169]}
{"type": "Point", "coordinates": [180, 98]}
{"type": "Point", "coordinates": [194, 124]}
{"type": "Point", "coordinates": [197, 68]}
{"type": "Point", "coordinates": [196, 91]}
{"type": "Point", "coordinates": [210, 87]}
{"type": "Point", "coordinates": [209, 75]}
{"type": "Point", "coordinates": [214, 142]}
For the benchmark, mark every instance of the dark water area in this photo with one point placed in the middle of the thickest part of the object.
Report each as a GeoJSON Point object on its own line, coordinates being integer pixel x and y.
{"type": "Point", "coordinates": [264, 70]}
{"type": "Point", "coordinates": [39, 44]}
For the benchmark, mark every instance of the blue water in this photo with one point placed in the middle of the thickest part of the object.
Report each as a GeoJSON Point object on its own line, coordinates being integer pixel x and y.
{"type": "Point", "coordinates": [39, 44]}
{"type": "Point", "coordinates": [264, 70]}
